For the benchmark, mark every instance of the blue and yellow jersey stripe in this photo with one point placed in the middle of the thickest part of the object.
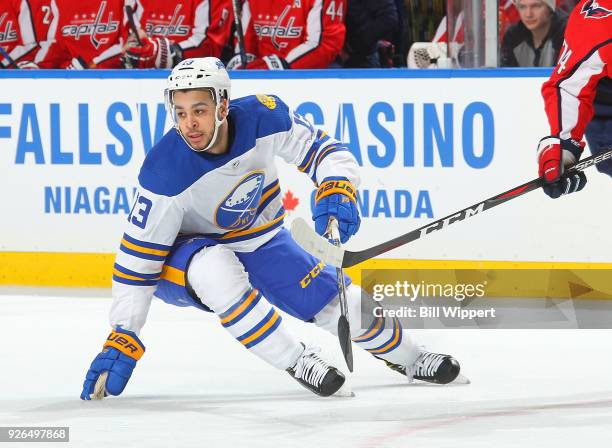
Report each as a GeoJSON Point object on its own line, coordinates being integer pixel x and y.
{"type": "Point", "coordinates": [240, 309]}
{"type": "Point", "coordinates": [322, 146]}
{"type": "Point", "coordinates": [127, 276]}
{"type": "Point", "coordinates": [269, 193]}
{"type": "Point", "coordinates": [173, 275]}
{"type": "Point", "coordinates": [262, 330]}
{"type": "Point", "coordinates": [144, 249]}
{"type": "Point", "coordinates": [394, 341]}
{"type": "Point", "coordinates": [248, 233]}
{"type": "Point", "coordinates": [309, 158]}
{"type": "Point", "coordinates": [324, 153]}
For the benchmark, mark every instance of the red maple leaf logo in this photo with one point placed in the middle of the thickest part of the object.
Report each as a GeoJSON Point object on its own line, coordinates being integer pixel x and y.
{"type": "Point", "coordinates": [290, 202]}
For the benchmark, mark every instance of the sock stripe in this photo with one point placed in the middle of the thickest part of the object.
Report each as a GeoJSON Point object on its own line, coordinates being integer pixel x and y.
{"type": "Point", "coordinates": [392, 343]}
{"type": "Point", "coordinates": [376, 328]}
{"type": "Point", "coordinates": [240, 309]}
{"type": "Point", "coordinates": [262, 330]}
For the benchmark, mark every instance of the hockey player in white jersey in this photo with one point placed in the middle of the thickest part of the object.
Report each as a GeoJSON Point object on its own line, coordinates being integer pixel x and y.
{"type": "Point", "coordinates": [206, 231]}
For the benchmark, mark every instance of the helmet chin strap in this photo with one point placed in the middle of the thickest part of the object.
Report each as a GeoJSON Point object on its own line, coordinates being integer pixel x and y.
{"type": "Point", "coordinates": [218, 123]}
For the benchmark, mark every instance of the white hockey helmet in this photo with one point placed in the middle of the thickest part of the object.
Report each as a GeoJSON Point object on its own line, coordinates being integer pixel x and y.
{"type": "Point", "coordinates": [199, 73]}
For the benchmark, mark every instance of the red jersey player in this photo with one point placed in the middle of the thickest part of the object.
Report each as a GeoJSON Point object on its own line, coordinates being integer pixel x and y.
{"type": "Point", "coordinates": [178, 30]}
{"type": "Point", "coordinates": [44, 13]}
{"type": "Point", "coordinates": [584, 67]}
{"type": "Point", "coordinates": [292, 33]}
{"type": "Point", "coordinates": [88, 33]}
{"type": "Point", "coordinates": [17, 37]}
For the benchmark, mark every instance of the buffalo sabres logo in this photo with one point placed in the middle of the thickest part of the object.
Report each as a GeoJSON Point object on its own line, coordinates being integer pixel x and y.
{"type": "Point", "coordinates": [592, 10]}
{"type": "Point", "coordinates": [267, 101]}
{"type": "Point", "coordinates": [239, 208]}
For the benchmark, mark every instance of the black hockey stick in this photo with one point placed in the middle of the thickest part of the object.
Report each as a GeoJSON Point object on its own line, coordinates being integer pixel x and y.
{"type": "Point", "coordinates": [239, 32]}
{"type": "Point", "coordinates": [344, 329]}
{"type": "Point", "coordinates": [8, 58]}
{"type": "Point", "coordinates": [129, 12]}
{"type": "Point", "coordinates": [318, 246]}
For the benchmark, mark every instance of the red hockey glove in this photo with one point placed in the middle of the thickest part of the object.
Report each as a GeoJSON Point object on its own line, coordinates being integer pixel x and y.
{"type": "Point", "coordinates": [155, 52]}
{"type": "Point", "coordinates": [554, 157]}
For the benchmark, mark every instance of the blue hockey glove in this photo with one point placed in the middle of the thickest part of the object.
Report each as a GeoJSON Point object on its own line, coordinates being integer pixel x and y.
{"type": "Point", "coordinates": [337, 197]}
{"type": "Point", "coordinates": [118, 357]}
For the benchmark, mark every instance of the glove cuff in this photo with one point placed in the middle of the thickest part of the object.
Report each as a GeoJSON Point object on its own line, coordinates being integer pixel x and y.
{"type": "Point", "coordinates": [126, 342]}
{"type": "Point", "coordinates": [275, 62]}
{"type": "Point", "coordinates": [572, 146]}
{"type": "Point", "coordinates": [336, 186]}
{"type": "Point", "coordinates": [77, 63]}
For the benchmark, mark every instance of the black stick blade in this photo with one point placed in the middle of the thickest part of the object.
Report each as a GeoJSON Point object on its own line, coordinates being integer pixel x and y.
{"type": "Point", "coordinates": [344, 335]}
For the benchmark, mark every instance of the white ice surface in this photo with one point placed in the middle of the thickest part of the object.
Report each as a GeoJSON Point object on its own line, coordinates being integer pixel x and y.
{"type": "Point", "coordinates": [197, 387]}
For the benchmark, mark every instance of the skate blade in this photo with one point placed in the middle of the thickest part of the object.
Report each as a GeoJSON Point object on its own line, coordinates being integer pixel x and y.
{"type": "Point", "coordinates": [346, 391]}
{"type": "Point", "coordinates": [461, 379]}
{"type": "Point", "coordinates": [100, 387]}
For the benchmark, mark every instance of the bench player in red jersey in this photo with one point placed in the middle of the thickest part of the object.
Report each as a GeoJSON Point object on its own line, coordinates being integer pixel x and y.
{"type": "Point", "coordinates": [282, 34]}
{"type": "Point", "coordinates": [173, 31]}
{"type": "Point", "coordinates": [578, 98]}
{"type": "Point", "coordinates": [17, 37]}
{"type": "Point", "coordinates": [88, 34]}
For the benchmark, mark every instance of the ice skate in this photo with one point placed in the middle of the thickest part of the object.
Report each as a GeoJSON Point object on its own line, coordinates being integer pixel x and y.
{"type": "Point", "coordinates": [432, 368]}
{"type": "Point", "coordinates": [315, 374]}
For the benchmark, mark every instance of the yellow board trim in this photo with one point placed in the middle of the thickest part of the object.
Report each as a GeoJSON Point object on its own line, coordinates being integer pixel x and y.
{"type": "Point", "coordinates": [77, 269]}
{"type": "Point", "coordinates": [56, 269]}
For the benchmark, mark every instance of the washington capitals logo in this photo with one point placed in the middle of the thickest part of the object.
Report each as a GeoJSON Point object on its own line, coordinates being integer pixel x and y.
{"type": "Point", "coordinates": [9, 33]}
{"type": "Point", "coordinates": [174, 27]}
{"type": "Point", "coordinates": [276, 30]}
{"type": "Point", "coordinates": [592, 10]}
{"type": "Point", "coordinates": [93, 29]}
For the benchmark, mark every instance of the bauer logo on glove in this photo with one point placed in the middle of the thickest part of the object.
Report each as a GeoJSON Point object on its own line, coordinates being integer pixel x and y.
{"type": "Point", "coordinates": [337, 197]}
{"type": "Point", "coordinates": [114, 364]}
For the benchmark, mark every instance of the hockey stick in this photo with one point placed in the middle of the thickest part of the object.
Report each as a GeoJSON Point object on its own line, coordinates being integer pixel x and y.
{"type": "Point", "coordinates": [100, 387]}
{"type": "Point", "coordinates": [129, 12]}
{"type": "Point", "coordinates": [318, 246]}
{"type": "Point", "coordinates": [8, 58]}
{"type": "Point", "coordinates": [344, 329]}
{"type": "Point", "coordinates": [239, 32]}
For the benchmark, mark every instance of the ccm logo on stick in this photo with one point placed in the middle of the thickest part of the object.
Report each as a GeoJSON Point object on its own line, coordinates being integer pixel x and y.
{"type": "Point", "coordinates": [453, 218]}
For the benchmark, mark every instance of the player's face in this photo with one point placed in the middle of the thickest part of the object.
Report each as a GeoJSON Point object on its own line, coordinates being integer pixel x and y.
{"type": "Point", "coordinates": [195, 115]}
{"type": "Point", "coordinates": [535, 14]}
